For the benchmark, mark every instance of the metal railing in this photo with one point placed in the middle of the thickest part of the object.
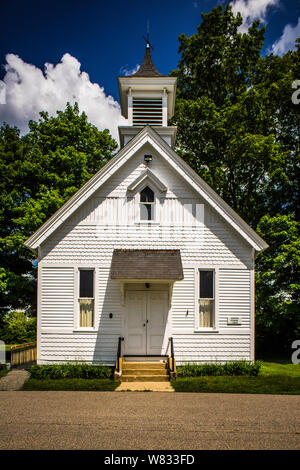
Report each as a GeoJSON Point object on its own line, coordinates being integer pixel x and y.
{"type": "Point", "coordinates": [119, 352]}
{"type": "Point", "coordinates": [21, 354]}
{"type": "Point", "coordinates": [172, 356]}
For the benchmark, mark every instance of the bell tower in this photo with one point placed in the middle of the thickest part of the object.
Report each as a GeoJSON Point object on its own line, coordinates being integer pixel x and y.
{"type": "Point", "coordinates": [147, 98]}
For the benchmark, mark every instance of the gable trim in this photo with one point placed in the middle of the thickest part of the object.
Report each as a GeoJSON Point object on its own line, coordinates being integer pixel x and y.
{"type": "Point", "coordinates": [211, 197]}
{"type": "Point", "coordinates": [147, 175]}
{"type": "Point", "coordinates": [146, 135]}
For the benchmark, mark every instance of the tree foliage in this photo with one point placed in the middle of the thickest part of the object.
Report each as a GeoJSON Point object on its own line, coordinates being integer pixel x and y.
{"type": "Point", "coordinates": [39, 173]}
{"type": "Point", "coordinates": [278, 285]}
{"type": "Point", "coordinates": [18, 328]}
{"type": "Point", "coordinates": [239, 130]}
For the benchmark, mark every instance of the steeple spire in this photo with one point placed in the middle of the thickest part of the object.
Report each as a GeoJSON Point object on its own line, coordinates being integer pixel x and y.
{"type": "Point", "coordinates": [147, 69]}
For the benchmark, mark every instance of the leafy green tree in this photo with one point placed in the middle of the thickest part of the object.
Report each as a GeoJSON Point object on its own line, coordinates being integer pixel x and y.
{"type": "Point", "coordinates": [233, 128]}
{"type": "Point", "coordinates": [3, 281]}
{"type": "Point", "coordinates": [18, 328]}
{"type": "Point", "coordinates": [17, 275]}
{"type": "Point", "coordinates": [278, 285]}
{"type": "Point", "coordinates": [275, 76]}
{"type": "Point", "coordinates": [239, 130]}
{"type": "Point", "coordinates": [39, 173]}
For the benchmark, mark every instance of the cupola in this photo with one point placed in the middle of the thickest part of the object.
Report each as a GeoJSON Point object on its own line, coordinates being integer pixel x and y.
{"type": "Point", "coordinates": [147, 98]}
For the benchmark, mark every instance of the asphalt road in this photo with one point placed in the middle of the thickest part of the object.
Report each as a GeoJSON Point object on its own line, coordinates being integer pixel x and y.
{"type": "Point", "coordinates": [148, 420]}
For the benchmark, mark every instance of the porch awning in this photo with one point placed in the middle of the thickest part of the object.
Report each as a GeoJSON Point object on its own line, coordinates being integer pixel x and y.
{"type": "Point", "coordinates": [147, 264]}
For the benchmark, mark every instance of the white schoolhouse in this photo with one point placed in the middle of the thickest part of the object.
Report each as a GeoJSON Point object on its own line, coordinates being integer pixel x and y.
{"type": "Point", "coordinates": [144, 252]}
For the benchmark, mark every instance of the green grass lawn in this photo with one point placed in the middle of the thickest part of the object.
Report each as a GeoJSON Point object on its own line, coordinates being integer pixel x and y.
{"type": "Point", "coordinates": [280, 368]}
{"type": "Point", "coordinates": [71, 384]}
{"type": "Point", "coordinates": [274, 378]}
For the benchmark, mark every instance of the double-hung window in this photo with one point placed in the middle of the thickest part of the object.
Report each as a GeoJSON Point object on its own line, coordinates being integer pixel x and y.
{"type": "Point", "coordinates": [86, 298]}
{"type": "Point", "coordinates": [206, 298]}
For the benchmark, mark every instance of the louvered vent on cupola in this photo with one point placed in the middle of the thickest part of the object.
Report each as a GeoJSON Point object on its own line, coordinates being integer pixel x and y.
{"type": "Point", "coordinates": [147, 111]}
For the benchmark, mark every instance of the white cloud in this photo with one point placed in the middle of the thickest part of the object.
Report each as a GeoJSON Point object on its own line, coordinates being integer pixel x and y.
{"type": "Point", "coordinates": [124, 70]}
{"type": "Point", "coordinates": [287, 40]}
{"type": "Point", "coordinates": [252, 10]}
{"type": "Point", "coordinates": [29, 90]}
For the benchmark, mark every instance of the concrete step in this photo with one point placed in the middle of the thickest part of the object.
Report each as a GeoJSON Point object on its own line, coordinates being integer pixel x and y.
{"type": "Point", "coordinates": [145, 371]}
{"type": "Point", "coordinates": [145, 358]}
{"type": "Point", "coordinates": [145, 365]}
{"type": "Point", "coordinates": [144, 378]}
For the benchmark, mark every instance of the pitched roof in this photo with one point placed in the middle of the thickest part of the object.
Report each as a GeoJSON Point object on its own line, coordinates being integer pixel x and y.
{"type": "Point", "coordinates": [146, 264]}
{"type": "Point", "coordinates": [147, 135]}
{"type": "Point", "coordinates": [147, 69]}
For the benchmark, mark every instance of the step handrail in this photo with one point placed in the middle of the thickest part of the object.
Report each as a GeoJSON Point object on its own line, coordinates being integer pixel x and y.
{"type": "Point", "coordinates": [172, 354]}
{"type": "Point", "coordinates": [119, 352]}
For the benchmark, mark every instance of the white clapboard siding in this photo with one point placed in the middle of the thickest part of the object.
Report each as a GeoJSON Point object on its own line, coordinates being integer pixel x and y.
{"type": "Point", "coordinates": [108, 221]}
{"type": "Point", "coordinates": [57, 297]}
{"type": "Point", "coordinates": [181, 212]}
{"type": "Point", "coordinates": [121, 210]}
{"type": "Point", "coordinates": [91, 348]}
{"type": "Point", "coordinates": [183, 304]}
{"type": "Point", "coordinates": [109, 295]}
{"type": "Point", "coordinates": [211, 347]}
{"type": "Point", "coordinates": [96, 243]}
{"type": "Point", "coordinates": [234, 296]}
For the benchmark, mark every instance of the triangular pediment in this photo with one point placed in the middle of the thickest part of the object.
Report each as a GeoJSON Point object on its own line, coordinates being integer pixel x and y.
{"type": "Point", "coordinates": [146, 136]}
{"type": "Point", "coordinates": [145, 178]}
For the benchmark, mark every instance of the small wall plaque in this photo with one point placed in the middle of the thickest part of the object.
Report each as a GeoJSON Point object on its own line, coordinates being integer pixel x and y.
{"type": "Point", "coordinates": [234, 321]}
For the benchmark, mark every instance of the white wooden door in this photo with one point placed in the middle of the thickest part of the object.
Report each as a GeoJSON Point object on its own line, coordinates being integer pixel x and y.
{"type": "Point", "coordinates": [157, 310]}
{"type": "Point", "coordinates": [145, 322]}
{"type": "Point", "coordinates": [135, 336]}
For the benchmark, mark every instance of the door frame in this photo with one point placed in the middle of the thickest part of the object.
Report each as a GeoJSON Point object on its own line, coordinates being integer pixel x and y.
{"type": "Point", "coordinates": [166, 328]}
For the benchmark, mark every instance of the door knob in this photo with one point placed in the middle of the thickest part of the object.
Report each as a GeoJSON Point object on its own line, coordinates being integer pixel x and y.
{"type": "Point", "coordinates": [144, 324]}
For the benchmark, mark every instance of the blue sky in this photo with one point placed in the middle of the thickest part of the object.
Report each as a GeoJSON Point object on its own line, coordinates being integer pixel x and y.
{"type": "Point", "coordinates": [106, 38]}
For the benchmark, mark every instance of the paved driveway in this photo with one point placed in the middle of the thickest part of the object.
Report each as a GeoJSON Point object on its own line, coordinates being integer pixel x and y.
{"type": "Point", "coordinates": [148, 420]}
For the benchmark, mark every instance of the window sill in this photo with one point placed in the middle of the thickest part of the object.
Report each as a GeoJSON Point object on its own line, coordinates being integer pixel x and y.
{"type": "Point", "coordinates": [85, 330]}
{"type": "Point", "coordinates": [206, 330]}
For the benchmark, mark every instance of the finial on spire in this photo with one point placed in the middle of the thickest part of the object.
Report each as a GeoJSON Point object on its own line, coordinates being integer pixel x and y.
{"type": "Point", "coordinates": [148, 45]}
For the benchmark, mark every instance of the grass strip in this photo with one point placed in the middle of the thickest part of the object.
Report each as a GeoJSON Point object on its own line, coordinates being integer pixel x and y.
{"type": "Point", "coordinates": [276, 384]}
{"type": "Point", "coordinates": [70, 384]}
{"type": "Point", "coordinates": [274, 368]}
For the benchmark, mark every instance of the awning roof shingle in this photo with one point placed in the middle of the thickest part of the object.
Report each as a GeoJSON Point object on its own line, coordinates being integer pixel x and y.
{"type": "Point", "coordinates": [147, 264]}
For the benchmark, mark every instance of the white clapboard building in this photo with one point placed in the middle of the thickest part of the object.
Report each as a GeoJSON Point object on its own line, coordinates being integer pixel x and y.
{"type": "Point", "coordinates": [145, 251]}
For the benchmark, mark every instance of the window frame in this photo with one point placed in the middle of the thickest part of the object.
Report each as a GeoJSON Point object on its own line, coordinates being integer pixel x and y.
{"type": "Point", "coordinates": [214, 327]}
{"type": "Point", "coordinates": [152, 204]}
{"type": "Point", "coordinates": [77, 299]}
